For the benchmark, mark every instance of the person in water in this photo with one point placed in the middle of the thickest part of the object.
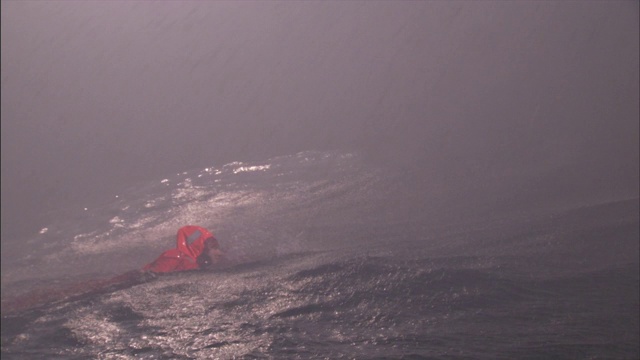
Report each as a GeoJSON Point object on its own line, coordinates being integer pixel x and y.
{"type": "Point", "coordinates": [196, 248]}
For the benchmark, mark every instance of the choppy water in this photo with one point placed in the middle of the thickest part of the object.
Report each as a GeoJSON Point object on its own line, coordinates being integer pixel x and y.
{"type": "Point", "coordinates": [329, 261]}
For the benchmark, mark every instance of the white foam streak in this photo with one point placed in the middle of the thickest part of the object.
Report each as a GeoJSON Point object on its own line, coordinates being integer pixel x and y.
{"type": "Point", "coordinates": [251, 168]}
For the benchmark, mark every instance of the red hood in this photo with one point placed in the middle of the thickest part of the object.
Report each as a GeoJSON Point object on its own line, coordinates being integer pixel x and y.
{"type": "Point", "coordinates": [190, 240]}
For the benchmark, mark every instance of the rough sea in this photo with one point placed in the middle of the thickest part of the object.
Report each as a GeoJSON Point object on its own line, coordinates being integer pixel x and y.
{"type": "Point", "coordinates": [330, 258]}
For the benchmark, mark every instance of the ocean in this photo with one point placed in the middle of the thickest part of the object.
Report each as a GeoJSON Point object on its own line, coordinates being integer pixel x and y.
{"type": "Point", "coordinates": [330, 257]}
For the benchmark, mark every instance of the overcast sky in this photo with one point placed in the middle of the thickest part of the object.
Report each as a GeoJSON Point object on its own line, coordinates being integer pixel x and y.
{"type": "Point", "coordinates": [99, 95]}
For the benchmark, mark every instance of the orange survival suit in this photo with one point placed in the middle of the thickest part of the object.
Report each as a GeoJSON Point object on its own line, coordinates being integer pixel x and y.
{"type": "Point", "coordinates": [189, 245]}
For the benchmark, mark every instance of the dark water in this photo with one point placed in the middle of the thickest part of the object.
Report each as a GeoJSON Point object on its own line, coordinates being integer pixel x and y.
{"type": "Point", "coordinates": [328, 261]}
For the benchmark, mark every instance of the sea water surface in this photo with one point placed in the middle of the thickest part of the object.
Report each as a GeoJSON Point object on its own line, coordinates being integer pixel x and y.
{"type": "Point", "coordinates": [330, 258]}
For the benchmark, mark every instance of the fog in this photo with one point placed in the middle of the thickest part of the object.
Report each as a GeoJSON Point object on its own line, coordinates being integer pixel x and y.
{"type": "Point", "coordinates": [528, 102]}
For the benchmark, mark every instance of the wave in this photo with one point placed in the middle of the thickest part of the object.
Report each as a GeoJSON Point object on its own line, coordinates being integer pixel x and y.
{"type": "Point", "coordinates": [329, 259]}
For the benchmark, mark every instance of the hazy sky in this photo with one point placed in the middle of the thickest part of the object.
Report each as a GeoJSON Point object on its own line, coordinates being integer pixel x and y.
{"type": "Point", "coordinates": [99, 95]}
